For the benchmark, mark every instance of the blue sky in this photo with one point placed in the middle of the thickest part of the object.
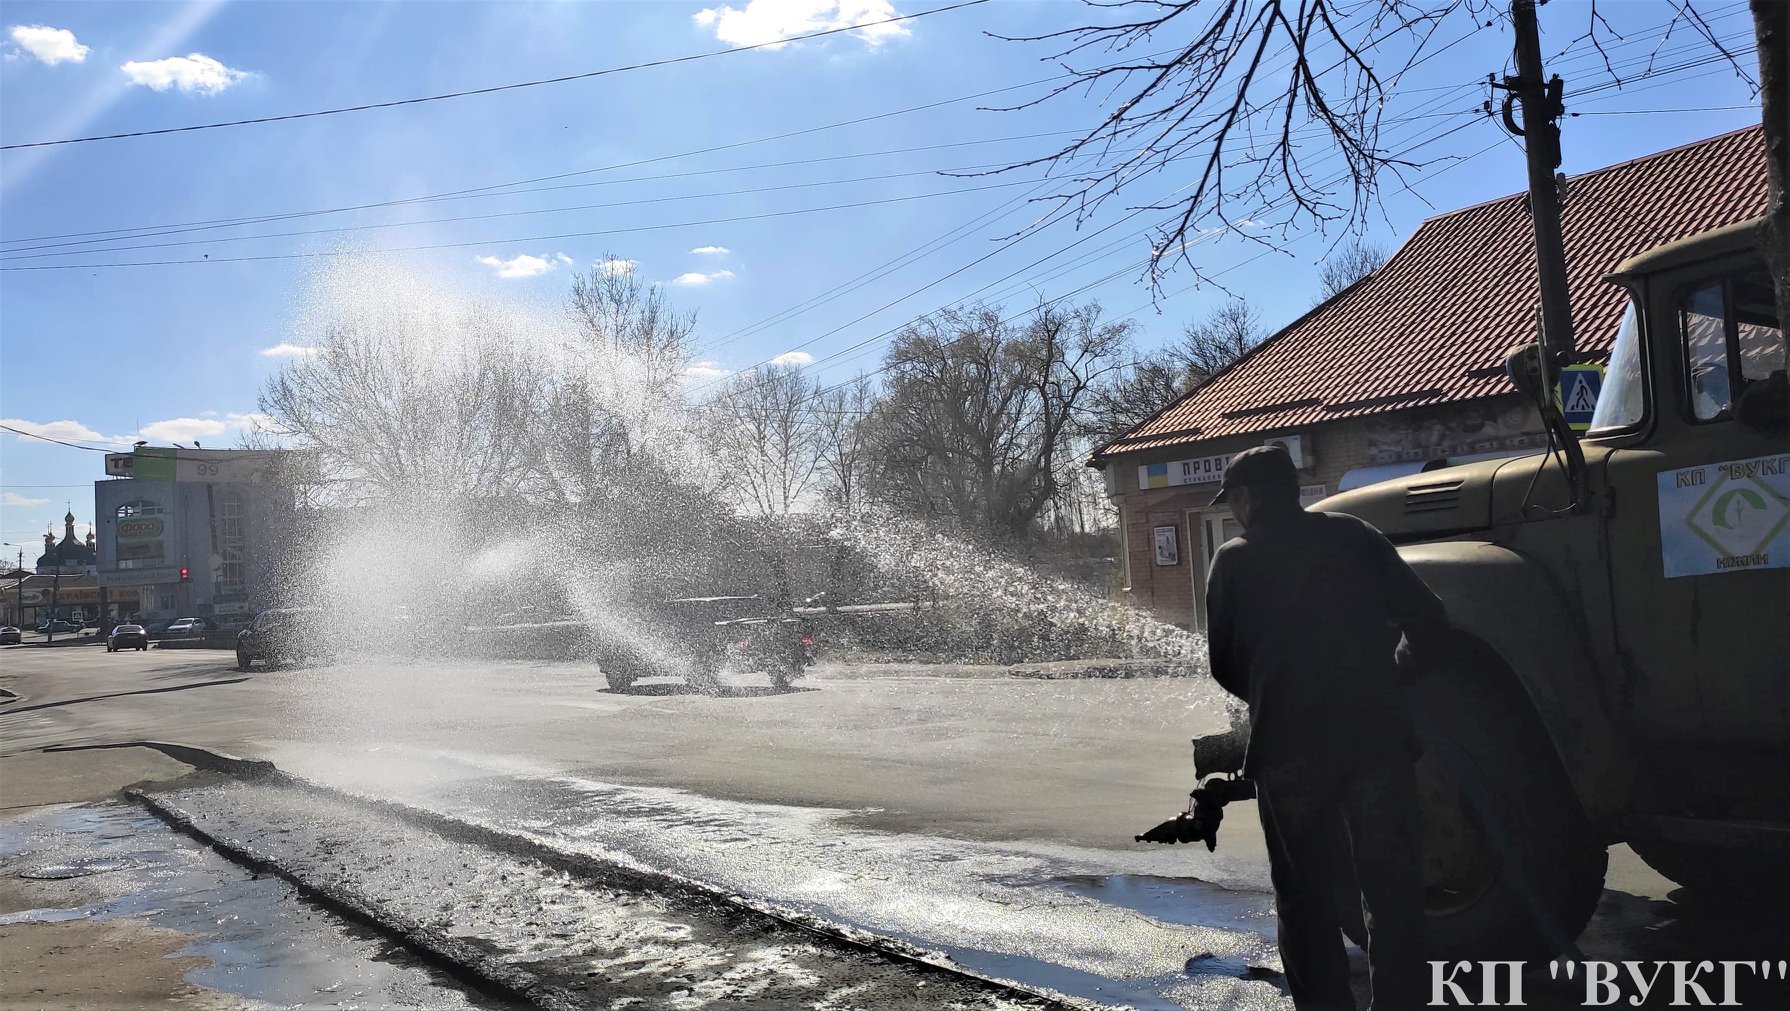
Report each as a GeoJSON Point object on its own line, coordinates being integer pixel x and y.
{"type": "Point", "coordinates": [179, 351]}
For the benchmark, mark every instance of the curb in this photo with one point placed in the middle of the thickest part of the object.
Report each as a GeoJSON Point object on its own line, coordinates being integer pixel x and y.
{"type": "Point", "coordinates": [463, 961]}
{"type": "Point", "coordinates": [472, 963]}
{"type": "Point", "coordinates": [207, 759]}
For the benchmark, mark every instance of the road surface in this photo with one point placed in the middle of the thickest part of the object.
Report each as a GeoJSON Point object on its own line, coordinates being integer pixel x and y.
{"type": "Point", "coordinates": [959, 809]}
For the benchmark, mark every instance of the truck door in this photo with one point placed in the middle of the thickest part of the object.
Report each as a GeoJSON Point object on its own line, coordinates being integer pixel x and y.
{"type": "Point", "coordinates": [1699, 532]}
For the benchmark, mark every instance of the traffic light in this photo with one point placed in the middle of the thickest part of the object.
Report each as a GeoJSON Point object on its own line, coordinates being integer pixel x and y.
{"type": "Point", "coordinates": [186, 575]}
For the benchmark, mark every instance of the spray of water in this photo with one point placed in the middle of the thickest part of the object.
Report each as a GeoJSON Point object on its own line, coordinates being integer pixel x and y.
{"type": "Point", "coordinates": [495, 468]}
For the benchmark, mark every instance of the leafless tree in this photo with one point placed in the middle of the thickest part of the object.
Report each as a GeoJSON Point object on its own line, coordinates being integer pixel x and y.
{"type": "Point", "coordinates": [981, 410]}
{"type": "Point", "coordinates": [1158, 378]}
{"type": "Point", "coordinates": [402, 401]}
{"type": "Point", "coordinates": [1211, 344]}
{"type": "Point", "coordinates": [844, 440]}
{"type": "Point", "coordinates": [764, 434]}
{"type": "Point", "coordinates": [1347, 265]}
{"type": "Point", "coordinates": [1135, 393]}
{"type": "Point", "coordinates": [614, 390]}
{"type": "Point", "coordinates": [628, 351]}
{"type": "Point", "coordinates": [1246, 98]}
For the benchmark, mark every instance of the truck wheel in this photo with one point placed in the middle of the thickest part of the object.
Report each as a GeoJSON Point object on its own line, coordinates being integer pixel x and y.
{"type": "Point", "coordinates": [1512, 867]}
{"type": "Point", "coordinates": [243, 662]}
{"type": "Point", "coordinates": [619, 680]}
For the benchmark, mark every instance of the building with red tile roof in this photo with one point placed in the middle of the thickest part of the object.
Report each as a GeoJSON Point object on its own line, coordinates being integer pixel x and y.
{"type": "Point", "coordinates": [1404, 368]}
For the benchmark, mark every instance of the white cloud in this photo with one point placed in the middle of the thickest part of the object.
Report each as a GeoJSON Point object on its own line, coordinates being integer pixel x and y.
{"type": "Point", "coordinates": [617, 265]}
{"type": "Point", "coordinates": [286, 349]}
{"type": "Point", "coordinates": [254, 421]}
{"type": "Point", "coordinates": [772, 22]}
{"type": "Point", "coordinates": [183, 429]}
{"type": "Point", "coordinates": [72, 431]}
{"type": "Point", "coordinates": [20, 501]}
{"type": "Point", "coordinates": [524, 265]}
{"type": "Point", "coordinates": [793, 358]}
{"type": "Point", "coordinates": [706, 370]}
{"type": "Point", "coordinates": [711, 251]}
{"type": "Point", "coordinates": [193, 72]}
{"type": "Point", "coordinates": [697, 278]}
{"type": "Point", "coordinates": [49, 45]}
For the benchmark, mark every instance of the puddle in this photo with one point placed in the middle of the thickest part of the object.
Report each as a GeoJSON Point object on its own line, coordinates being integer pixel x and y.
{"type": "Point", "coordinates": [263, 941]}
{"type": "Point", "coordinates": [77, 869]}
{"type": "Point", "coordinates": [1186, 901]}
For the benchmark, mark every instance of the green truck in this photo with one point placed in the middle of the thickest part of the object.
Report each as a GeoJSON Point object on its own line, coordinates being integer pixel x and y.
{"type": "Point", "coordinates": [1624, 674]}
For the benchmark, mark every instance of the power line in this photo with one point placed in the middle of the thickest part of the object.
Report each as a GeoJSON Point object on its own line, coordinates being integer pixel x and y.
{"type": "Point", "coordinates": [154, 231]}
{"type": "Point", "coordinates": [525, 238]}
{"type": "Point", "coordinates": [1473, 118]}
{"type": "Point", "coordinates": [495, 88]}
{"type": "Point", "coordinates": [750, 191]}
{"type": "Point", "coordinates": [60, 442]}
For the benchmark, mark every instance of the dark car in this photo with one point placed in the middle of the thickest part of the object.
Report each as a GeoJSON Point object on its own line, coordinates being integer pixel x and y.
{"type": "Point", "coordinates": [58, 625]}
{"type": "Point", "coordinates": [10, 636]}
{"type": "Point", "coordinates": [127, 637]}
{"type": "Point", "coordinates": [705, 636]}
{"type": "Point", "coordinates": [281, 635]}
{"type": "Point", "coordinates": [157, 628]}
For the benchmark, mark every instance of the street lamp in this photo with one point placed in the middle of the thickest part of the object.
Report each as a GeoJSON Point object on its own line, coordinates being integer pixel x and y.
{"type": "Point", "coordinates": [18, 593]}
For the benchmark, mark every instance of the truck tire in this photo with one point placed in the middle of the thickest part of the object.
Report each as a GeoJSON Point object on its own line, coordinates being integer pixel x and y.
{"type": "Point", "coordinates": [243, 662]}
{"type": "Point", "coordinates": [620, 679]}
{"type": "Point", "coordinates": [1512, 868]}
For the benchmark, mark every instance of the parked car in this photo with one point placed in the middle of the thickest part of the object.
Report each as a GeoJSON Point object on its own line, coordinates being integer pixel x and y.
{"type": "Point", "coordinates": [10, 636]}
{"type": "Point", "coordinates": [280, 635]}
{"type": "Point", "coordinates": [187, 628]}
{"type": "Point", "coordinates": [52, 627]}
{"type": "Point", "coordinates": [127, 637]}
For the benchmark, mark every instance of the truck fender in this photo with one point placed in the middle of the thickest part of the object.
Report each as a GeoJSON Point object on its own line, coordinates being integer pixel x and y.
{"type": "Point", "coordinates": [1510, 603]}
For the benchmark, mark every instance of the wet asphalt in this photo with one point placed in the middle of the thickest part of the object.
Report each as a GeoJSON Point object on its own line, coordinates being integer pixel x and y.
{"type": "Point", "coordinates": [960, 811]}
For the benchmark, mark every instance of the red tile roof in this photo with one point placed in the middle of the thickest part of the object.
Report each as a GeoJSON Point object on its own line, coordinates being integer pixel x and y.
{"type": "Point", "coordinates": [1432, 325]}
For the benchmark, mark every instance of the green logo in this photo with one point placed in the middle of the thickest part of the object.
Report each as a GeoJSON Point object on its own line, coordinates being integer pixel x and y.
{"type": "Point", "coordinates": [1738, 517]}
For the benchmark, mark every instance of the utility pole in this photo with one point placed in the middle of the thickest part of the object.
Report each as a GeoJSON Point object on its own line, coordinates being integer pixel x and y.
{"type": "Point", "coordinates": [1540, 100]}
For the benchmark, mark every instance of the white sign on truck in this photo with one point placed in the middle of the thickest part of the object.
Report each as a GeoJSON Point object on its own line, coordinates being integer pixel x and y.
{"type": "Point", "coordinates": [1725, 517]}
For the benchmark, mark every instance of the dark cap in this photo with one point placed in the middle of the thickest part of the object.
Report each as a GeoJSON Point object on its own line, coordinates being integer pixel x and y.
{"type": "Point", "coordinates": [1260, 467]}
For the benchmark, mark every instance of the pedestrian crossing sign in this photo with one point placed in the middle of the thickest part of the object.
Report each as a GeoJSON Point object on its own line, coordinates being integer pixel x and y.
{"type": "Point", "coordinates": [1576, 394]}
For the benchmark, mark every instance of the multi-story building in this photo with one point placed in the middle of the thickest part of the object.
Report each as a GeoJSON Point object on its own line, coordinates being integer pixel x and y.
{"type": "Point", "coordinates": [194, 532]}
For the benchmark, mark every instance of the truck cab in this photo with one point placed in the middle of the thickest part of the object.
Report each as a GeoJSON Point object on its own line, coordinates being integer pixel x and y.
{"type": "Point", "coordinates": [1624, 664]}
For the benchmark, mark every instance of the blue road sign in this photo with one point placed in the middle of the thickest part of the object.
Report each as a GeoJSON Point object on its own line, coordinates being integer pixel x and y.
{"type": "Point", "coordinates": [1577, 393]}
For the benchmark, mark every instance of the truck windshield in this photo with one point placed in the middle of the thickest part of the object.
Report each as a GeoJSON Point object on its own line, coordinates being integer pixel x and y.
{"type": "Point", "coordinates": [1623, 401]}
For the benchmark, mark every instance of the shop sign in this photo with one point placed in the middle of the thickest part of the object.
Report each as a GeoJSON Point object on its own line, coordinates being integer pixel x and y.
{"type": "Point", "coordinates": [138, 539]}
{"type": "Point", "coordinates": [1203, 470]}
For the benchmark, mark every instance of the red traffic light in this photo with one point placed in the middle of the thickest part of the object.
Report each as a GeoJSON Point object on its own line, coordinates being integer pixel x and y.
{"type": "Point", "coordinates": [185, 574]}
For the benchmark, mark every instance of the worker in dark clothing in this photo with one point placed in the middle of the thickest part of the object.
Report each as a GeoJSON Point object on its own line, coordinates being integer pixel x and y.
{"type": "Point", "coordinates": [1304, 615]}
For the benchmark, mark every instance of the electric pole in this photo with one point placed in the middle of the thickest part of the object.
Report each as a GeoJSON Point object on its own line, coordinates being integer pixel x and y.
{"type": "Point", "coordinates": [1540, 101]}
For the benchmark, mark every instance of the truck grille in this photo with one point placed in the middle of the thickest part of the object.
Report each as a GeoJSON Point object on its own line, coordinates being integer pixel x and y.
{"type": "Point", "coordinates": [1439, 496]}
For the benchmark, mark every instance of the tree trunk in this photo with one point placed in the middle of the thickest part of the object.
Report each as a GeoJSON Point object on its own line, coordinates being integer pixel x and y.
{"type": "Point", "coordinates": [1771, 26]}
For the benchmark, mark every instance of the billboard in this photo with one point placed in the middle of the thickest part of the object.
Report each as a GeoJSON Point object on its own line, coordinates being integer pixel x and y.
{"type": "Point", "coordinates": [139, 539]}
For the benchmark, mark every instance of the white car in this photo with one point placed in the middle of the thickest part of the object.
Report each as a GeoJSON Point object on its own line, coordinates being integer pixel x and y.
{"type": "Point", "coordinates": [186, 628]}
